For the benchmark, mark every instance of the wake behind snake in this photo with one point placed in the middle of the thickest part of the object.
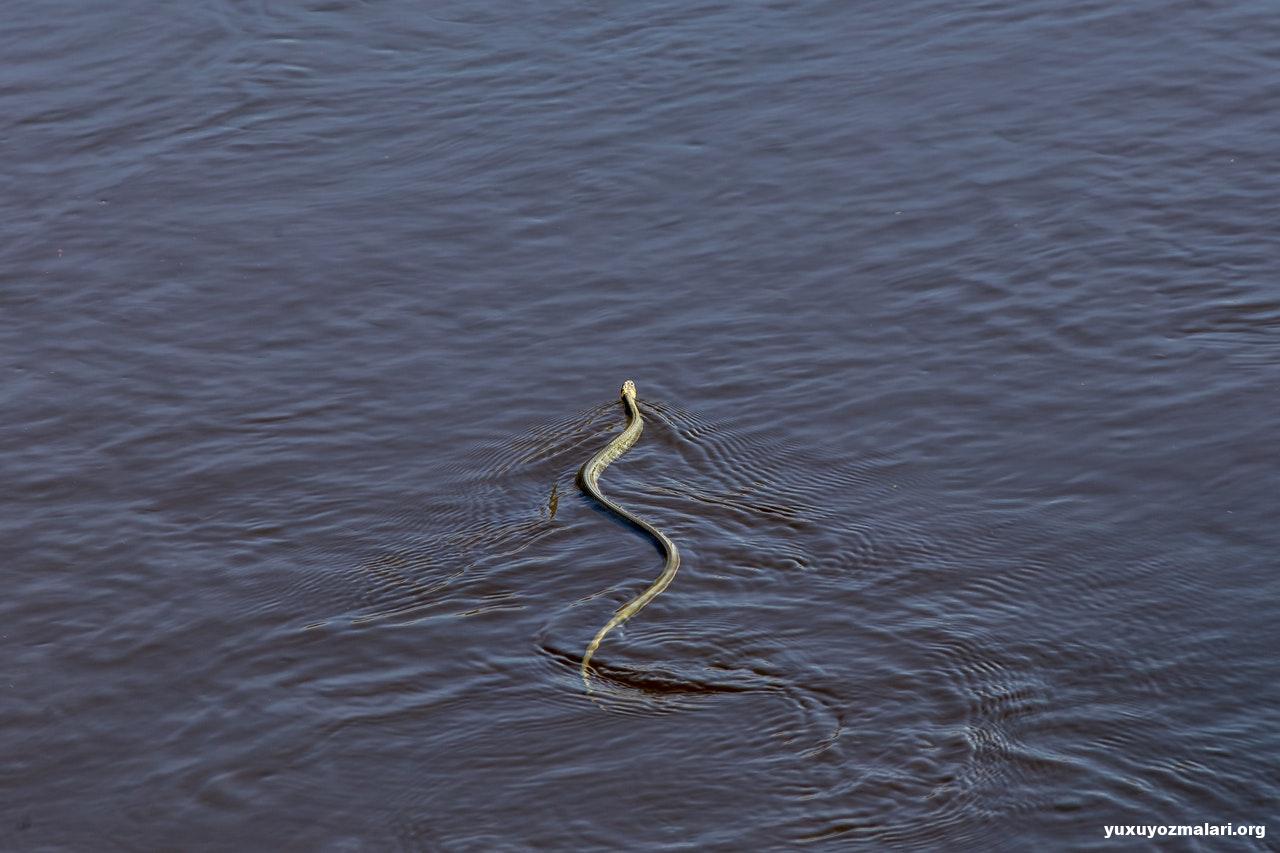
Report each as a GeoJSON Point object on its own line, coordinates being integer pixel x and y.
{"type": "Point", "coordinates": [589, 481]}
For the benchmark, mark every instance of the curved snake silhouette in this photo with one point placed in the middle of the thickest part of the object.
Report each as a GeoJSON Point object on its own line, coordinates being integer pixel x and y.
{"type": "Point", "coordinates": [589, 481]}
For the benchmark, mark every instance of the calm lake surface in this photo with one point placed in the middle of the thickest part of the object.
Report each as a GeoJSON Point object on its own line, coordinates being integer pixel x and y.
{"type": "Point", "coordinates": [957, 331]}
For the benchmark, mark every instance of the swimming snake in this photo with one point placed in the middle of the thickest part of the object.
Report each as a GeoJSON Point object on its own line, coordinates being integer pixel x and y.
{"type": "Point", "coordinates": [589, 482]}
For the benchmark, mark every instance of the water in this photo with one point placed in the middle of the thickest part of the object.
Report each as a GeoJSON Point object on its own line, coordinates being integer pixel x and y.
{"type": "Point", "coordinates": [956, 326]}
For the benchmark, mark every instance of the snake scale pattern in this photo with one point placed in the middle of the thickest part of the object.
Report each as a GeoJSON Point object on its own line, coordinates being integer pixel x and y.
{"type": "Point", "coordinates": [589, 482]}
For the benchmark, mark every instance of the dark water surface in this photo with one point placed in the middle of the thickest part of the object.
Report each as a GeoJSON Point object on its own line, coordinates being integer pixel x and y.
{"type": "Point", "coordinates": [957, 326]}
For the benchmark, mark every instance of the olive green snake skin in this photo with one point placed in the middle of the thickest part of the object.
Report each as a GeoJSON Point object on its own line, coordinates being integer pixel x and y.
{"type": "Point", "coordinates": [589, 481]}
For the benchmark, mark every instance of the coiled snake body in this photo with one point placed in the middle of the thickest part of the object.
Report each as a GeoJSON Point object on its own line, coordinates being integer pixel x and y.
{"type": "Point", "coordinates": [589, 481]}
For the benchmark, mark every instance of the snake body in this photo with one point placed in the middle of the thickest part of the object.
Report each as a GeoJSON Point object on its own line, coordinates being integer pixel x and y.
{"type": "Point", "coordinates": [589, 482]}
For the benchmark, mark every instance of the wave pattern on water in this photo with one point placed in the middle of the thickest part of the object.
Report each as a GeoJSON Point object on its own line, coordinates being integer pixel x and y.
{"type": "Point", "coordinates": [955, 330]}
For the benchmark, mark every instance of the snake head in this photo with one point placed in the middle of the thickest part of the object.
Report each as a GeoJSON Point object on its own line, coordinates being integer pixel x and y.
{"type": "Point", "coordinates": [629, 390]}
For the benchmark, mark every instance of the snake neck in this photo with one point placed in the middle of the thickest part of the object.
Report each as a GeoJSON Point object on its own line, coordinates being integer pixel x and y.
{"type": "Point", "coordinates": [589, 474]}
{"type": "Point", "coordinates": [633, 411]}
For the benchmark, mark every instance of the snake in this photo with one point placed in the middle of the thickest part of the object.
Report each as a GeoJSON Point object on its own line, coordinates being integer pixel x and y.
{"type": "Point", "coordinates": [589, 482]}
